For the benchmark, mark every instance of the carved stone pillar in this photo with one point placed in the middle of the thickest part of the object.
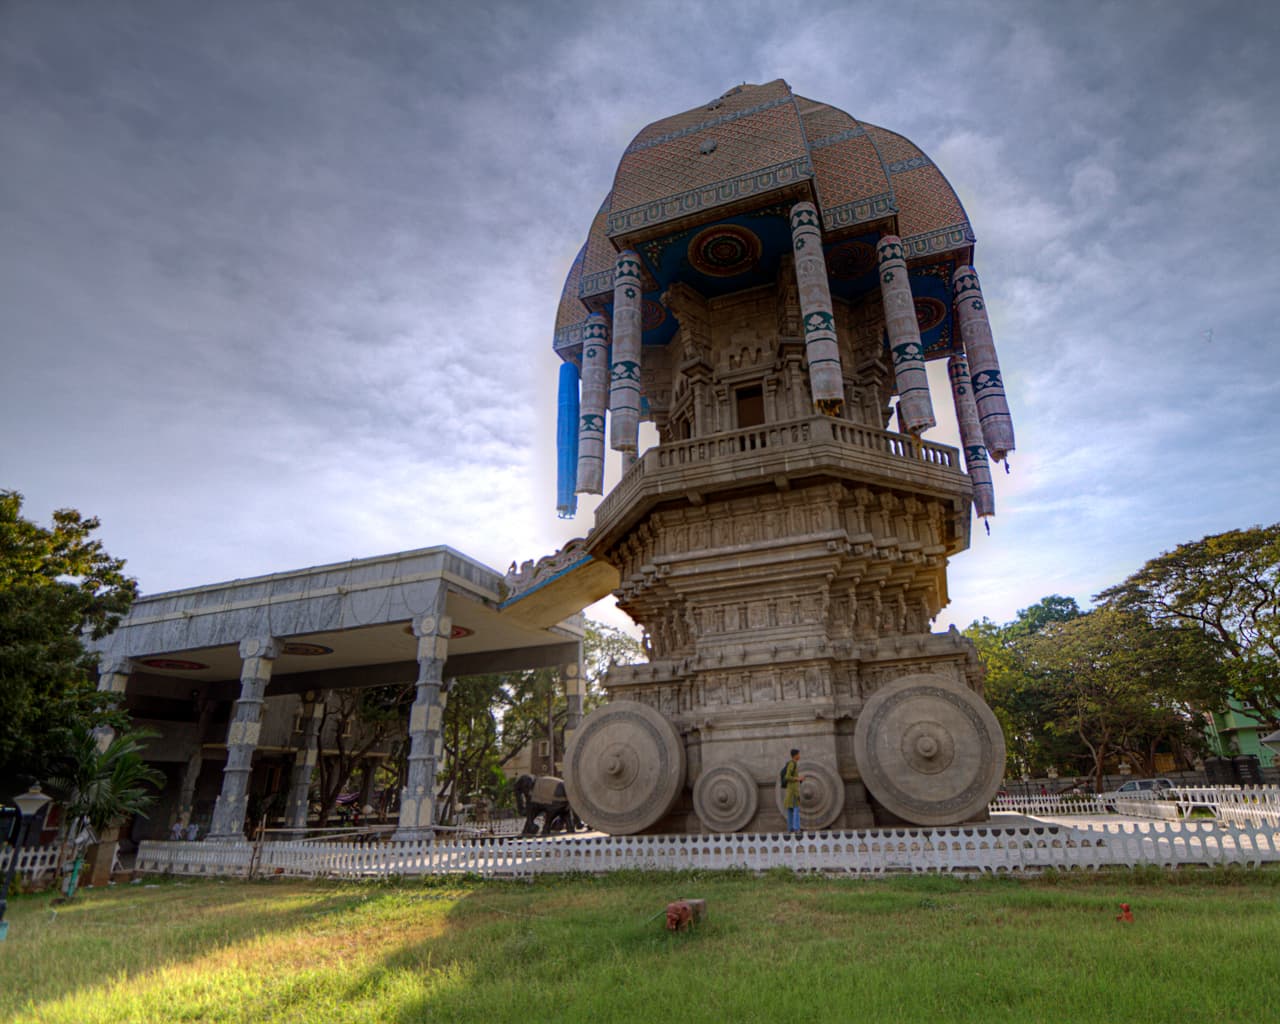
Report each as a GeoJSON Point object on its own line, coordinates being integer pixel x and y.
{"type": "Point", "coordinates": [984, 367]}
{"type": "Point", "coordinates": [113, 677]}
{"type": "Point", "coordinates": [195, 762]}
{"type": "Point", "coordinates": [426, 722]}
{"type": "Point", "coordinates": [914, 406]}
{"type": "Point", "coordinates": [304, 763]}
{"type": "Point", "coordinates": [975, 454]}
{"type": "Point", "coordinates": [624, 377]}
{"type": "Point", "coordinates": [595, 396]}
{"type": "Point", "coordinates": [574, 691]}
{"type": "Point", "coordinates": [257, 656]}
{"type": "Point", "coordinates": [826, 379]}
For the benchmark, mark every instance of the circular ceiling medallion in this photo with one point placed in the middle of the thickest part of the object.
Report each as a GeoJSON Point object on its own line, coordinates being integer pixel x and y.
{"type": "Point", "coordinates": [929, 312]}
{"type": "Point", "coordinates": [851, 260]}
{"type": "Point", "coordinates": [306, 650]}
{"type": "Point", "coordinates": [174, 664]}
{"type": "Point", "coordinates": [725, 250]}
{"type": "Point", "coordinates": [652, 314]}
{"type": "Point", "coordinates": [456, 633]}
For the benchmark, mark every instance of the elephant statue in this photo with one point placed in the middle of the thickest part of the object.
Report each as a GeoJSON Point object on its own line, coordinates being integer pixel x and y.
{"type": "Point", "coordinates": [545, 804]}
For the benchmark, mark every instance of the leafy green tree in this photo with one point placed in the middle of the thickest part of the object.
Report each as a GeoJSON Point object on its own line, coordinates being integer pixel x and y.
{"type": "Point", "coordinates": [353, 722]}
{"type": "Point", "coordinates": [1019, 702]}
{"type": "Point", "coordinates": [100, 786]}
{"type": "Point", "coordinates": [489, 719]}
{"type": "Point", "coordinates": [1121, 685]}
{"type": "Point", "coordinates": [1228, 586]}
{"type": "Point", "coordinates": [57, 587]}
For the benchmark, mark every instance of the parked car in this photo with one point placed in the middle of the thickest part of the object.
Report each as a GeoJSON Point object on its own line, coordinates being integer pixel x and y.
{"type": "Point", "coordinates": [1136, 789]}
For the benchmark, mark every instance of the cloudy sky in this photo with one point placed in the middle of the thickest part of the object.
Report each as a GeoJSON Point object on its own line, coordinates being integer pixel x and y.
{"type": "Point", "coordinates": [278, 277]}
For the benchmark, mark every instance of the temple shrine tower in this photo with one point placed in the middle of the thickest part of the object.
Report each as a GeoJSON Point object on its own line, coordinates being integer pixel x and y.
{"type": "Point", "coordinates": [765, 283]}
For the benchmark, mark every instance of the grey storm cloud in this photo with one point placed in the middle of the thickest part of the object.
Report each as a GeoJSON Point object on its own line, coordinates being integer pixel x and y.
{"type": "Point", "coordinates": [278, 278]}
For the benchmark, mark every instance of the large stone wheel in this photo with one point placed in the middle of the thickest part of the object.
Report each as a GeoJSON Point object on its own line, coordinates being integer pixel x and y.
{"type": "Point", "coordinates": [624, 768]}
{"type": "Point", "coordinates": [821, 795]}
{"type": "Point", "coordinates": [929, 749]}
{"type": "Point", "coordinates": [725, 797]}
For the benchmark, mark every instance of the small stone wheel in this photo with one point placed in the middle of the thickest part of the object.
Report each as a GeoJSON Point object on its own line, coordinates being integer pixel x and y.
{"type": "Point", "coordinates": [929, 749]}
{"type": "Point", "coordinates": [821, 795]}
{"type": "Point", "coordinates": [624, 768]}
{"type": "Point", "coordinates": [725, 797]}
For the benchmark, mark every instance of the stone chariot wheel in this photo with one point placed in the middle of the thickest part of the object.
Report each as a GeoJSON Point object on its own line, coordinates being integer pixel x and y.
{"type": "Point", "coordinates": [624, 768]}
{"type": "Point", "coordinates": [821, 795]}
{"type": "Point", "coordinates": [929, 749]}
{"type": "Point", "coordinates": [725, 797]}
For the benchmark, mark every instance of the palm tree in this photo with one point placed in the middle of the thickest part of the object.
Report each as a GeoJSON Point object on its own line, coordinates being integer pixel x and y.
{"type": "Point", "coordinates": [100, 786]}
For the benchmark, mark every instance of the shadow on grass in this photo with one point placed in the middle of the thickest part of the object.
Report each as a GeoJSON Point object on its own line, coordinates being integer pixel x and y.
{"type": "Point", "coordinates": [55, 951]}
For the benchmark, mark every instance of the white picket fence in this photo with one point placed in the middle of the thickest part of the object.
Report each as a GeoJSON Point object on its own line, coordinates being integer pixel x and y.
{"type": "Point", "coordinates": [971, 849]}
{"type": "Point", "coordinates": [33, 862]}
{"type": "Point", "coordinates": [1052, 805]}
{"type": "Point", "coordinates": [1236, 805]}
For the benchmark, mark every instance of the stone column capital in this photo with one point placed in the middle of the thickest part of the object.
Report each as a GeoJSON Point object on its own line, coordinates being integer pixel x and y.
{"type": "Point", "coordinates": [432, 625]}
{"type": "Point", "coordinates": [114, 665]}
{"type": "Point", "coordinates": [267, 647]}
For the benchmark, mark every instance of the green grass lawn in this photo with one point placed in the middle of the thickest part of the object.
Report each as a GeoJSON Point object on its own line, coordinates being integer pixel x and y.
{"type": "Point", "coordinates": [1204, 946]}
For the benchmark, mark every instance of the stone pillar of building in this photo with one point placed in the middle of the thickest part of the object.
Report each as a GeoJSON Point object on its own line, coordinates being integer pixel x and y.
{"type": "Point", "coordinates": [426, 722]}
{"type": "Point", "coordinates": [624, 370]}
{"type": "Point", "coordinates": [826, 379]}
{"type": "Point", "coordinates": [113, 677]}
{"type": "Point", "coordinates": [257, 656]}
{"type": "Point", "coordinates": [914, 405]}
{"type": "Point", "coordinates": [574, 692]}
{"type": "Point", "coordinates": [304, 763]}
{"type": "Point", "coordinates": [595, 397]}
{"type": "Point", "coordinates": [984, 367]}
{"type": "Point", "coordinates": [975, 454]}
{"type": "Point", "coordinates": [195, 762]}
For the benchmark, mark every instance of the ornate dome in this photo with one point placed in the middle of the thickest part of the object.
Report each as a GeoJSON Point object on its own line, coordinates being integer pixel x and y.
{"type": "Point", "coordinates": [703, 198]}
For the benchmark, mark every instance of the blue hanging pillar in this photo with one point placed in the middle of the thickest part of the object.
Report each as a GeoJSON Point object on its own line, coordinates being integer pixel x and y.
{"type": "Point", "coordinates": [567, 442]}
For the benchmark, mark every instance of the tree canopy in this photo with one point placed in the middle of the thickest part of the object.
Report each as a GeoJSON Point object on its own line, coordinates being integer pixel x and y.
{"type": "Point", "coordinates": [57, 586]}
{"type": "Point", "coordinates": [489, 719]}
{"type": "Point", "coordinates": [1228, 586]}
{"type": "Point", "coordinates": [1077, 690]}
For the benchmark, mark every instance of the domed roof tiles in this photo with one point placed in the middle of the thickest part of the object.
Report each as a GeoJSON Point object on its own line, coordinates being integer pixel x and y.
{"type": "Point", "coordinates": [757, 146]}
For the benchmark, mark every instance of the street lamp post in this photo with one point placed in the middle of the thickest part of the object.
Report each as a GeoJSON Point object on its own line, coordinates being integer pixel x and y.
{"type": "Point", "coordinates": [30, 806]}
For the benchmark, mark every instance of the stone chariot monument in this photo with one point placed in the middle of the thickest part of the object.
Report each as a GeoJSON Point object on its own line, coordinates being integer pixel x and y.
{"type": "Point", "coordinates": [765, 283]}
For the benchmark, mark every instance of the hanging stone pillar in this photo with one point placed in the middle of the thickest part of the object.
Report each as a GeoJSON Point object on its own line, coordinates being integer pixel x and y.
{"type": "Point", "coordinates": [624, 371]}
{"type": "Point", "coordinates": [975, 454]}
{"type": "Point", "coordinates": [426, 722]}
{"type": "Point", "coordinates": [257, 656]}
{"type": "Point", "coordinates": [113, 677]}
{"type": "Point", "coordinates": [304, 763]}
{"type": "Point", "coordinates": [195, 762]}
{"type": "Point", "coordinates": [914, 405]}
{"type": "Point", "coordinates": [826, 379]}
{"type": "Point", "coordinates": [984, 367]}
{"type": "Point", "coordinates": [595, 396]}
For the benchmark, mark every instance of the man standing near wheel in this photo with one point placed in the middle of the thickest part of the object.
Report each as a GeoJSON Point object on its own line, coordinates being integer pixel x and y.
{"type": "Point", "coordinates": [791, 802]}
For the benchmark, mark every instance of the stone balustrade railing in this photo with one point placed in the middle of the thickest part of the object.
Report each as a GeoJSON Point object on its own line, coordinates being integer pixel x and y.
{"type": "Point", "coordinates": [729, 445]}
